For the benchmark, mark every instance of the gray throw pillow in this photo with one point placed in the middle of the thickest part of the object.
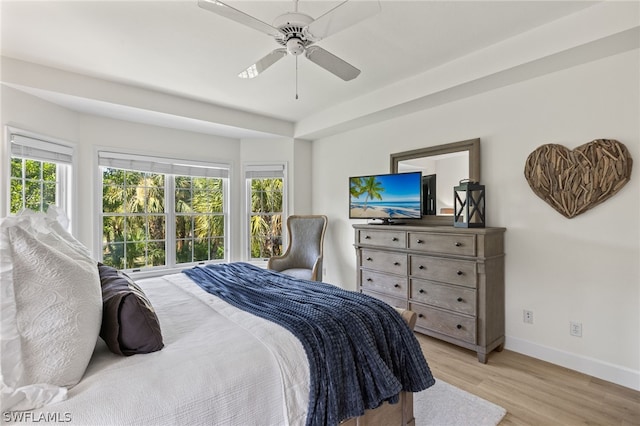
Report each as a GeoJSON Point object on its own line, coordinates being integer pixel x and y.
{"type": "Point", "coordinates": [129, 324]}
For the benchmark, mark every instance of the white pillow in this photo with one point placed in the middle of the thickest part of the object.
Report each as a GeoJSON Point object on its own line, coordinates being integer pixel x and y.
{"type": "Point", "coordinates": [51, 310]}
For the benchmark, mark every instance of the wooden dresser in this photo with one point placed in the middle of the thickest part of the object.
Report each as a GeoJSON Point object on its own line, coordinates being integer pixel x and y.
{"type": "Point", "coordinates": [453, 278]}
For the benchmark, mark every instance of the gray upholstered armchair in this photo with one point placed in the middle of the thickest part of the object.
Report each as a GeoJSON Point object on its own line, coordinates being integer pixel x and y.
{"type": "Point", "coordinates": [303, 257]}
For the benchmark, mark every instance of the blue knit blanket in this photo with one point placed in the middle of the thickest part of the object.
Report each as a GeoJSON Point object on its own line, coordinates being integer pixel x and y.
{"type": "Point", "coordinates": [361, 352]}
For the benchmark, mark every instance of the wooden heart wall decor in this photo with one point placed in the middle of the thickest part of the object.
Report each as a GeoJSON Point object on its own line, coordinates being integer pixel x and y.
{"type": "Point", "coordinates": [574, 181]}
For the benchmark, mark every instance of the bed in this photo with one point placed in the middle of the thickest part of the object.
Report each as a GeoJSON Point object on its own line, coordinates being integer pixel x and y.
{"type": "Point", "coordinates": [216, 362]}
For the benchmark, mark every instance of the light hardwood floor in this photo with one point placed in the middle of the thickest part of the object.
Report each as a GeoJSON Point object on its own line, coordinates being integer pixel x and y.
{"type": "Point", "coordinates": [533, 392]}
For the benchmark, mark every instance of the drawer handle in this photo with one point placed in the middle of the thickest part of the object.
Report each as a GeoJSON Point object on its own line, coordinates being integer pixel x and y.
{"type": "Point", "coordinates": [394, 239]}
{"type": "Point", "coordinates": [420, 316]}
{"type": "Point", "coordinates": [460, 273]}
{"type": "Point", "coordinates": [458, 244]}
{"type": "Point", "coordinates": [421, 290]}
{"type": "Point", "coordinates": [459, 299]}
{"type": "Point", "coordinates": [396, 263]}
{"type": "Point", "coordinates": [369, 259]}
{"type": "Point", "coordinates": [370, 279]}
{"type": "Point", "coordinates": [366, 237]}
{"type": "Point", "coordinates": [419, 241]}
{"type": "Point", "coordinates": [459, 326]}
{"type": "Point", "coordinates": [420, 267]}
{"type": "Point", "coordinates": [396, 285]}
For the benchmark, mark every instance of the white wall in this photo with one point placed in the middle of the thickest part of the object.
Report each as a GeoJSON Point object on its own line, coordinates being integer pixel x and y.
{"type": "Point", "coordinates": [300, 183]}
{"type": "Point", "coordinates": [585, 269]}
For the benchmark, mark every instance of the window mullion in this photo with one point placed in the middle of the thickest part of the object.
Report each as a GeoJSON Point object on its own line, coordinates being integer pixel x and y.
{"type": "Point", "coordinates": [24, 183]}
{"type": "Point", "coordinates": [248, 214]}
{"type": "Point", "coordinates": [170, 220]}
{"type": "Point", "coordinates": [41, 185]}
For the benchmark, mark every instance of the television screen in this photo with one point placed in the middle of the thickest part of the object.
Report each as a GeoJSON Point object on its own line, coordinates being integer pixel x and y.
{"type": "Point", "coordinates": [386, 197]}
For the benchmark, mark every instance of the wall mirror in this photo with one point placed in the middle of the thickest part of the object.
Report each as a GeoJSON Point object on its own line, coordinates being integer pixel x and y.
{"type": "Point", "coordinates": [442, 167]}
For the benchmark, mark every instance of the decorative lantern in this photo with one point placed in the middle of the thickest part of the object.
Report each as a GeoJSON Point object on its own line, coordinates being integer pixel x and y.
{"type": "Point", "coordinates": [468, 205]}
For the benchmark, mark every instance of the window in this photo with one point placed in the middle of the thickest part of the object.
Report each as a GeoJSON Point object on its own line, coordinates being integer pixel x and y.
{"type": "Point", "coordinates": [159, 213]}
{"type": "Point", "coordinates": [265, 209]}
{"type": "Point", "coordinates": [199, 209]}
{"type": "Point", "coordinates": [40, 174]}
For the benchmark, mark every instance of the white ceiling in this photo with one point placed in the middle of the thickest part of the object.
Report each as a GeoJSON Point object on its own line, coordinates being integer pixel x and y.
{"type": "Point", "coordinates": [181, 49]}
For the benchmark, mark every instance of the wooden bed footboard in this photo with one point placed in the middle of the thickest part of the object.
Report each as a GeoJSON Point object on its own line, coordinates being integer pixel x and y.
{"type": "Point", "coordinates": [400, 414]}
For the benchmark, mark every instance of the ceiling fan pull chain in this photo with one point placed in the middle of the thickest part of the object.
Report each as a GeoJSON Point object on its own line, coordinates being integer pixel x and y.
{"type": "Point", "coordinates": [296, 77]}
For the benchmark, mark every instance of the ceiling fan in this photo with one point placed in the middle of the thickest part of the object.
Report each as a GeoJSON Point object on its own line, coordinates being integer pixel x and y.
{"type": "Point", "coordinates": [297, 32]}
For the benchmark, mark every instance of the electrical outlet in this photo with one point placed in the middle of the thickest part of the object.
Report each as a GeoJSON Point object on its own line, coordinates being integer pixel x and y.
{"type": "Point", "coordinates": [575, 329]}
{"type": "Point", "coordinates": [527, 316]}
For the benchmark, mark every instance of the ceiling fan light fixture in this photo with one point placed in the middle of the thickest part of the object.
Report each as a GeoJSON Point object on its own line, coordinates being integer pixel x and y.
{"type": "Point", "coordinates": [295, 46]}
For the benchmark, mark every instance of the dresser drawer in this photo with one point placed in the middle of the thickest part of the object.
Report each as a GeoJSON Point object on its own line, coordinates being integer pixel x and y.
{"type": "Point", "coordinates": [460, 272]}
{"type": "Point", "coordinates": [395, 263]}
{"type": "Point", "coordinates": [454, 298]}
{"type": "Point", "coordinates": [391, 301]}
{"type": "Point", "coordinates": [460, 244]}
{"type": "Point", "coordinates": [387, 239]}
{"type": "Point", "coordinates": [454, 325]}
{"type": "Point", "coordinates": [391, 285]}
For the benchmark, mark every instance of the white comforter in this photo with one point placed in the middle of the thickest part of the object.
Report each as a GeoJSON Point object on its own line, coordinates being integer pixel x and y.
{"type": "Point", "coordinates": [219, 366]}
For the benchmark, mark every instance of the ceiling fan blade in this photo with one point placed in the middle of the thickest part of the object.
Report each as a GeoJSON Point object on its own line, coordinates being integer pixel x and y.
{"type": "Point", "coordinates": [240, 17]}
{"type": "Point", "coordinates": [331, 63]}
{"type": "Point", "coordinates": [264, 63]}
{"type": "Point", "coordinates": [340, 17]}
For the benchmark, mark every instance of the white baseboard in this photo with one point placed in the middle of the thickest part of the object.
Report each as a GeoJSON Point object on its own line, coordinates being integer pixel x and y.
{"type": "Point", "coordinates": [617, 374]}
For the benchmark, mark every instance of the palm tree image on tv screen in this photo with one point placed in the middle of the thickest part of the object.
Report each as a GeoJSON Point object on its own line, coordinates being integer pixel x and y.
{"type": "Point", "coordinates": [387, 196]}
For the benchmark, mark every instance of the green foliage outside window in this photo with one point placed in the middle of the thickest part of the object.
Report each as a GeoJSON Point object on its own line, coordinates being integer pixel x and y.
{"type": "Point", "coordinates": [133, 223]}
{"type": "Point", "coordinates": [134, 219]}
{"type": "Point", "coordinates": [266, 217]}
{"type": "Point", "coordinates": [33, 185]}
{"type": "Point", "coordinates": [199, 211]}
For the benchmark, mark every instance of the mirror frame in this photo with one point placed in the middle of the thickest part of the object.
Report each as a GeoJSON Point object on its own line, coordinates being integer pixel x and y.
{"type": "Point", "coordinates": [470, 145]}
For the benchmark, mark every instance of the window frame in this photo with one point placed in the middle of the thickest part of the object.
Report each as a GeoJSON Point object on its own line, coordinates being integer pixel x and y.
{"type": "Point", "coordinates": [169, 167]}
{"type": "Point", "coordinates": [279, 169]}
{"type": "Point", "coordinates": [43, 148]}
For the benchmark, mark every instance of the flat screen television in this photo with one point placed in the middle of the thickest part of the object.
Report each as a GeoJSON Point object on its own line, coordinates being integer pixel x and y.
{"type": "Point", "coordinates": [389, 198]}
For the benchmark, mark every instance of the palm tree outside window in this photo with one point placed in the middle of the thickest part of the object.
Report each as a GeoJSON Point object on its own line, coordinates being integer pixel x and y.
{"type": "Point", "coordinates": [159, 213]}
{"type": "Point", "coordinates": [266, 194]}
